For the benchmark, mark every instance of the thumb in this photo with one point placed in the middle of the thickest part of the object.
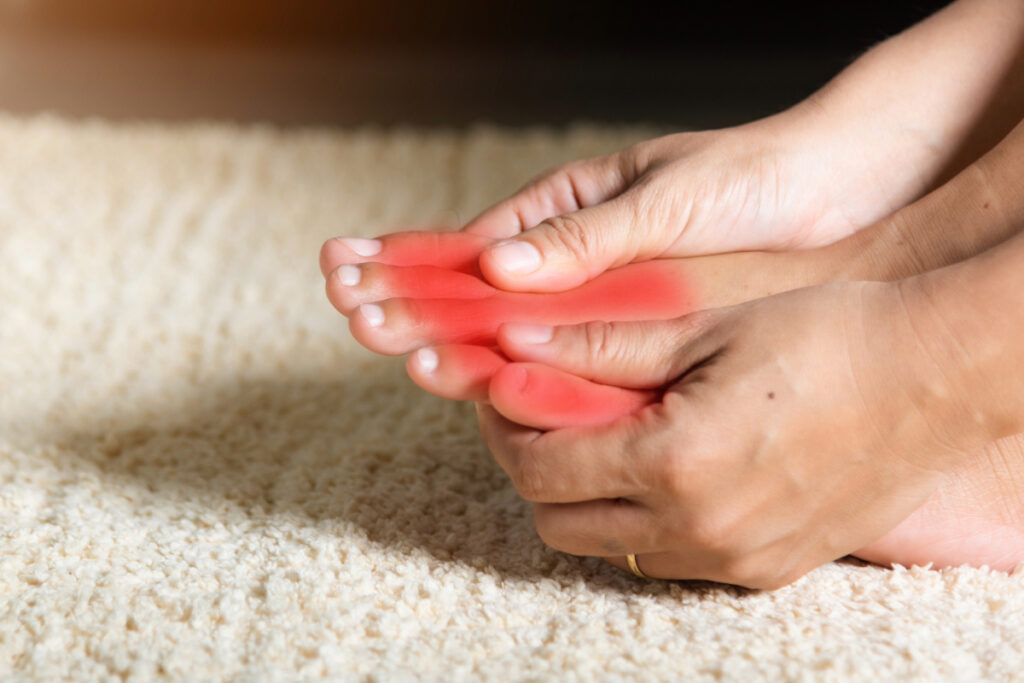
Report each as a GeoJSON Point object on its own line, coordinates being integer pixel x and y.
{"type": "Point", "coordinates": [639, 355]}
{"type": "Point", "coordinates": [565, 251]}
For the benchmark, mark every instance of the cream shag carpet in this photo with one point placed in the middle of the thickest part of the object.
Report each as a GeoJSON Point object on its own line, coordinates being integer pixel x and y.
{"type": "Point", "coordinates": [202, 477]}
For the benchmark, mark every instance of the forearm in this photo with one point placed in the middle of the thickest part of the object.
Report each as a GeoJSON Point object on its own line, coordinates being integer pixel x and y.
{"type": "Point", "coordinates": [933, 98]}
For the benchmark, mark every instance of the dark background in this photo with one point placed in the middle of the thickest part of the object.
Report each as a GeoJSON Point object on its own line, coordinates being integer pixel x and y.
{"type": "Point", "coordinates": [448, 62]}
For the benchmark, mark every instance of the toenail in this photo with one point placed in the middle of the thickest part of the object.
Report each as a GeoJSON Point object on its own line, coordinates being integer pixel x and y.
{"type": "Point", "coordinates": [517, 258]}
{"type": "Point", "coordinates": [525, 333]}
{"type": "Point", "coordinates": [349, 275]}
{"type": "Point", "coordinates": [363, 247]}
{"type": "Point", "coordinates": [426, 359]}
{"type": "Point", "coordinates": [373, 314]}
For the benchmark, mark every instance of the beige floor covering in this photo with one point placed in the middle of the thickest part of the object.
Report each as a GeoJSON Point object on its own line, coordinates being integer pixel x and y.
{"type": "Point", "coordinates": [202, 477]}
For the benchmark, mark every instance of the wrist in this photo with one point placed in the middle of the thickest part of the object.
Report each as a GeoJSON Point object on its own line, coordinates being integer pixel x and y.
{"type": "Point", "coordinates": [953, 223]}
{"type": "Point", "coordinates": [852, 169]}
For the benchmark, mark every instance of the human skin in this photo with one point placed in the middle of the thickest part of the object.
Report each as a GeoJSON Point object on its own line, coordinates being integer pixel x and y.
{"type": "Point", "coordinates": [974, 516]}
{"type": "Point", "coordinates": [876, 135]}
{"type": "Point", "coordinates": [424, 304]}
{"type": "Point", "coordinates": [924, 126]}
{"type": "Point", "coordinates": [799, 427]}
{"type": "Point", "coordinates": [898, 122]}
{"type": "Point", "coordinates": [426, 290]}
{"type": "Point", "coordinates": [878, 419]}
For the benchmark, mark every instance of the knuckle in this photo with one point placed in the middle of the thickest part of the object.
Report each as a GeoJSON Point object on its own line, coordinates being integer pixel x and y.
{"type": "Point", "coordinates": [538, 192]}
{"type": "Point", "coordinates": [711, 532]}
{"type": "Point", "coordinates": [597, 336]}
{"type": "Point", "coordinates": [574, 181]}
{"type": "Point", "coordinates": [551, 531]}
{"type": "Point", "coordinates": [654, 201]}
{"type": "Point", "coordinates": [570, 235]}
{"type": "Point", "coordinates": [558, 187]}
{"type": "Point", "coordinates": [537, 183]}
{"type": "Point", "coordinates": [635, 160]}
{"type": "Point", "coordinates": [612, 343]}
{"type": "Point", "coordinates": [745, 570]}
{"type": "Point", "coordinates": [713, 526]}
{"type": "Point", "coordinates": [528, 478]}
{"type": "Point", "coordinates": [697, 321]}
{"type": "Point", "coordinates": [675, 471]}
{"type": "Point", "coordinates": [758, 570]}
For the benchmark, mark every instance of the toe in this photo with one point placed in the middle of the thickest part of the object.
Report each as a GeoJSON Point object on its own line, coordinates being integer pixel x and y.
{"type": "Point", "coordinates": [460, 372]}
{"type": "Point", "coordinates": [401, 325]}
{"type": "Point", "coordinates": [346, 289]}
{"type": "Point", "coordinates": [350, 284]}
{"type": "Point", "coordinates": [450, 250]}
{"type": "Point", "coordinates": [341, 250]}
{"type": "Point", "coordinates": [385, 327]}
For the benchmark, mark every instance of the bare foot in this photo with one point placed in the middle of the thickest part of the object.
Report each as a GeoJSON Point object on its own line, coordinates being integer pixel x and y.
{"type": "Point", "coordinates": [421, 293]}
{"type": "Point", "coordinates": [410, 290]}
{"type": "Point", "coordinates": [976, 517]}
{"type": "Point", "coordinates": [432, 298]}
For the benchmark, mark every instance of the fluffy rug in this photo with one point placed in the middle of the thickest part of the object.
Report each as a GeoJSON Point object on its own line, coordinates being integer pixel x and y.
{"type": "Point", "coordinates": [202, 476]}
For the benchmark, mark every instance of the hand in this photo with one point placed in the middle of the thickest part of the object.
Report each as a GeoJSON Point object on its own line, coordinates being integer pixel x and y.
{"type": "Point", "coordinates": [798, 429]}
{"type": "Point", "coordinates": [898, 122]}
{"type": "Point", "coordinates": [421, 289]}
{"type": "Point", "coordinates": [779, 183]}
{"type": "Point", "coordinates": [426, 289]}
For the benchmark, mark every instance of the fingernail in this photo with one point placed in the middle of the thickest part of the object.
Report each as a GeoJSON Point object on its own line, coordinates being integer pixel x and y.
{"type": "Point", "coordinates": [517, 258]}
{"type": "Point", "coordinates": [361, 246]}
{"type": "Point", "coordinates": [349, 275]}
{"type": "Point", "coordinates": [525, 333]}
{"type": "Point", "coordinates": [426, 359]}
{"type": "Point", "coordinates": [373, 314]}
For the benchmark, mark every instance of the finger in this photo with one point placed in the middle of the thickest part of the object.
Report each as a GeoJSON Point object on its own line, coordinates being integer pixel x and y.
{"type": "Point", "coordinates": [546, 398]}
{"type": "Point", "coordinates": [597, 528]}
{"type": "Point", "coordinates": [453, 250]}
{"type": "Point", "coordinates": [698, 565]}
{"type": "Point", "coordinates": [567, 465]}
{"type": "Point", "coordinates": [565, 251]}
{"type": "Point", "coordinates": [612, 528]}
{"type": "Point", "coordinates": [461, 372]}
{"type": "Point", "coordinates": [643, 355]}
{"type": "Point", "coordinates": [350, 284]}
{"type": "Point", "coordinates": [563, 190]}
{"type": "Point", "coordinates": [665, 565]}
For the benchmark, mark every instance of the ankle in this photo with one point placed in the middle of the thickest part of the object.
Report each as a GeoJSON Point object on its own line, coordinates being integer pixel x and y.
{"type": "Point", "coordinates": [955, 222]}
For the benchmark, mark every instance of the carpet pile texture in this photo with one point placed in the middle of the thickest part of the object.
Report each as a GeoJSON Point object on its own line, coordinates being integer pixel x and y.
{"type": "Point", "coordinates": [203, 477]}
